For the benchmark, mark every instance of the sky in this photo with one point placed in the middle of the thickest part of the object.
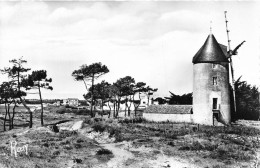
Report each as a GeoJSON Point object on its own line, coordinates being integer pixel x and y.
{"type": "Point", "coordinates": [152, 41]}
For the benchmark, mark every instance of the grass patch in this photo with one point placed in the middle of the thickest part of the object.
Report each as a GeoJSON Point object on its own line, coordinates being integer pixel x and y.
{"type": "Point", "coordinates": [133, 120]}
{"type": "Point", "coordinates": [196, 146]}
{"type": "Point", "coordinates": [237, 130]}
{"type": "Point", "coordinates": [224, 152]}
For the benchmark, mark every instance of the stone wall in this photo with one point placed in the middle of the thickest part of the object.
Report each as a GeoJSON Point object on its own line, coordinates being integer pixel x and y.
{"type": "Point", "coordinates": [173, 113]}
{"type": "Point", "coordinates": [169, 109]}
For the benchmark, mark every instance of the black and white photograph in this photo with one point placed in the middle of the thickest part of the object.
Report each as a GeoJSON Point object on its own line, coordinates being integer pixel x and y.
{"type": "Point", "coordinates": [129, 84]}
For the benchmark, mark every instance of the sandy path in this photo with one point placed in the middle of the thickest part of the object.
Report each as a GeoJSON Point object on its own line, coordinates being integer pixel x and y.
{"type": "Point", "coordinates": [122, 153]}
{"type": "Point", "coordinates": [169, 162]}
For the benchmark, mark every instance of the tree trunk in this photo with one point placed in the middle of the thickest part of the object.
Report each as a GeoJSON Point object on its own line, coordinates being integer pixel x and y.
{"type": "Point", "coordinates": [85, 84]}
{"type": "Point", "coordinates": [9, 116]}
{"type": "Point", "coordinates": [41, 104]}
{"type": "Point", "coordinates": [129, 108]}
{"type": "Point", "coordinates": [125, 107]}
{"type": "Point", "coordinates": [92, 89]}
{"type": "Point", "coordinates": [23, 102]}
{"type": "Point", "coordinates": [114, 114]}
{"type": "Point", "coordinates": [109, 110]}
{"type": "Point", "coordinates": [5, 116]}
{"type": "Point", "coordinates": [13, 114]}
{"type": "Point", "coordinates": [102, 108]}
{"type": "Point", "coordinates": [118, 107]}
{"type": "Point", "coordinates": [29, 110]}
{"type": "Point", "coordinates": [148, 97]}
{"type": "Point", "coordinates": [136, 107]}
{"type": "Point", "coordinates": [95, 108]}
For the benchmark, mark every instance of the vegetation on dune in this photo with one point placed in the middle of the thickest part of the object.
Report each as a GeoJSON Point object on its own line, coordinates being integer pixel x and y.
{"type": "Point", "coordinates": [225, 143]}
{"type": "Point", "coordinates": [236, 143]}
{"type": "Point", "coordinates": [104, 152]}
{"type": "Point", "coordinates": [247, 101]}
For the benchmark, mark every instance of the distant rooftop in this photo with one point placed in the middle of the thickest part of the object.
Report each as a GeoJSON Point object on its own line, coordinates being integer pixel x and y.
{"type": "Point", "coordinates": [72, 99]}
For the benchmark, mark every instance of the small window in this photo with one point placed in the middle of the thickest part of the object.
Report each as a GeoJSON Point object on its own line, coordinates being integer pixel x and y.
{"type": "Point", "coordinates": [215, 103]}
{"type": "Point", "coordinates": [215, 81]}
{"type": "Point", "coordinates": [214, 66]}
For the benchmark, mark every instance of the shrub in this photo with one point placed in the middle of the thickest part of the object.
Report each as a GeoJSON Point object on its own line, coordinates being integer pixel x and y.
{"type": "Point", "coordinates": [195, 146]}
{"type": "Point", "coordinates": [77, 146]}
{"type": "Point", "coordinates": [77, 160]}
{"type": "Point", "coordinates": [45, 145]}
{"type": "Point", "coordinates": [56, 153]}
{"type": "Point", "coordinates": [79, 140]}
{"type": "Point", "coordinates": [99, 127]}
{"type": "Point", "coordinates": [171, 143]}
{"type": "Point", "coordinates": [172, 136]}
{"type": "Point", "coordinates": [119, 136]}
{"type": "Point", "coordinates": [103, 152]}
{"type": "Point", "coordinates": [64, 134]}
{"type": "Point", "coordinates": [89, 121]}
{"type": "Point", "coordinates": [232, 152]}
{"type": "Point", "coordinates": [61, 110]}
{"type": "Point", "coordinates": [133, 120]}
{"type": "Point", "coordinates": [64, 143]}
{"type": "Point", "coordinates": [139, 120]}
{"type": "Point", "coordinates": [68, 147]}
{"type": "Point", "coordinates": [238, 130]}
{"type": "Point", "coordinates": [125, 120]}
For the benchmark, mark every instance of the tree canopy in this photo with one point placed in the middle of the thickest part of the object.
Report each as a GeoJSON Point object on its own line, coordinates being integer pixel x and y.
{"type": "Point", "coordinates": [37, 80]}
{"type": "Point", "coordinates": [90, 73]}
{"type": "Point", "coordinates": [177, 99]}
{"type": "Point", "coordinates": [16, 74]}
{"type": "Point", "coordinates": [247, 100]}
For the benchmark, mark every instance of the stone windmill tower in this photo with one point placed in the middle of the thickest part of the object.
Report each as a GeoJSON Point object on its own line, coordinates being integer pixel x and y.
{"type": "Point", "coordinates": [211, 93]}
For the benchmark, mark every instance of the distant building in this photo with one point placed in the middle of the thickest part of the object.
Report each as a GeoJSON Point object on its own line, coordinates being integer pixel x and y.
{"type": "Point", "coordinates": [143, 103]}
{"type": "Point", "coordinates": [57, 103]}
{"type": "Point", "coordinates": [71, 102]}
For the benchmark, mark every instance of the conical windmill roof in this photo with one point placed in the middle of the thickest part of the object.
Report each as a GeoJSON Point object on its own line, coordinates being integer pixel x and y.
{"type": "Point", "coordinates": [210, 52]}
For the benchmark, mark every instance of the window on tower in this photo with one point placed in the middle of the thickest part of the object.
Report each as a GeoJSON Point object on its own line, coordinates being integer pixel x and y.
{"type": "Point", "coordinates": [215, 103]}
{"type": "Point", "coordinates": [215, 81]}
{"type": "Point", "coordinates": [214, 66]}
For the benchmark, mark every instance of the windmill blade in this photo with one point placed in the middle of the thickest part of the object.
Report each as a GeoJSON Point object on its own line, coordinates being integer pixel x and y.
{"type": "Point", "coordinates": [230, 53]}
{"type": "Point", "coordinates": [234, 52]}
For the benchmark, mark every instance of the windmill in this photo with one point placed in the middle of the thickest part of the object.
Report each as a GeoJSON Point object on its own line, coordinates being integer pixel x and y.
{"type": "Point", "coordinates": [230, 54]}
